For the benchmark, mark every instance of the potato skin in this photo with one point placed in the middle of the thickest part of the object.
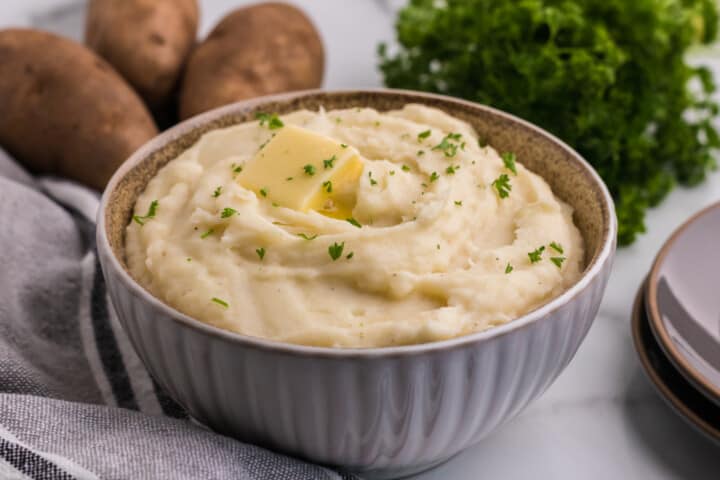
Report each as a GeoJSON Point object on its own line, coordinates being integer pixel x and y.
{"type": "Point", "coordinates": [147, 41]}
{"type": "Point", "coordinates": [64, 110]}
{"type": "Point", "coordinates": [253, 51]}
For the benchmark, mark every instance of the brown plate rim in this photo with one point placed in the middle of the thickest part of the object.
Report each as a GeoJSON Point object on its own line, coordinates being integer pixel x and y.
{"type": "Point", "coordinates": [655, 319]}
{"type": "Point", "coordinates": [678, 405]}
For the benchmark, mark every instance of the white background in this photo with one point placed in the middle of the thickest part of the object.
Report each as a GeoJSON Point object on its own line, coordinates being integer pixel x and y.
{"type": "Point", "coordinates": [601, 419]}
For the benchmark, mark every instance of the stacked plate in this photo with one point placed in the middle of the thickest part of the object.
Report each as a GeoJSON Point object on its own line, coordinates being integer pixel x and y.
{"type": "Point", "coordinates": [676, 321]}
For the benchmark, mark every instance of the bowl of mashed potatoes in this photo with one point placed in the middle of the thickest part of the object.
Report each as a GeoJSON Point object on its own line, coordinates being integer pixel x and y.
{"type": "Point", "coordinates": [373, 280]}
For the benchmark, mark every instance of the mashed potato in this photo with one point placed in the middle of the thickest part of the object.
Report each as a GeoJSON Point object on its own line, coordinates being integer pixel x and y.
{"type": "Point", "coordinates": [446, 238]}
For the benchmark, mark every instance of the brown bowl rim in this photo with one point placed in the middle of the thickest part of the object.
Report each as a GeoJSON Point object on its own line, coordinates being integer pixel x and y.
{"type": "Point", "coordinates": [595, 266]}
{"type": "Point", "coordinates": [655, 319]}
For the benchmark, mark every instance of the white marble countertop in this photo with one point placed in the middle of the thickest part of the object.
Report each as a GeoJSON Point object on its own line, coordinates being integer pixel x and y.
{"type": "Point", "coordinates": [601, 419]}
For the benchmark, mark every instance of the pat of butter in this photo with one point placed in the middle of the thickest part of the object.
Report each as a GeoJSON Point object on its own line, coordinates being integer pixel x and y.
{"type": "Point", "coordinates": [304, 170]}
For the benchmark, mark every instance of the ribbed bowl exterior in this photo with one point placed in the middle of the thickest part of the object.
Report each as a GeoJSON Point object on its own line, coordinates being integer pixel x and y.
{"type": "Point", "coordinates": [383, 415]}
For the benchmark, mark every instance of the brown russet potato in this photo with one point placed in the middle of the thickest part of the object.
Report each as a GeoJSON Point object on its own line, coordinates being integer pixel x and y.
{"type": "Point", "coordinates": [253, 51]}
{"type": "Point", "coordinates": [64, 110]}
{"type": "Point", "coordinates": [147, 41]}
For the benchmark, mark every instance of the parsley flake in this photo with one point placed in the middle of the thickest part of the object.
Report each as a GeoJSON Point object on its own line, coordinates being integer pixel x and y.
{"type": "Point", "coordinates": [353, 222]}
{"type": "Point", "coordinates": [272, 120]}
{"type": "Point", "coordinates": [451, 170]}
{"type": "Point", "coordinates": [536, 255]}
{"type": "Point", "coordinates": [152, 210]}
{"type": "Point", "coordinates": [289, 179]}
{"type": "Point", "coordinates": [508, 268]}
{"type": "Point", "coordinates": [220, 302]}
{"type": "Point", "coordinates": [327, 186]}
{"type": "Point", "coordinates": [557, 247]}
{"type": "Point", "coordinates": [309, 170]}
{"type": "Point", "coordinates": [306, 236]}
{"type": "Point", "coordinates": [434, 176]}
{"type": "Point", "coordinates": [508, 159]}
{"type": "Point", "coordinates": [423, 135]}
{"type": "Point", "coordinates": [263, 192]}
{"type": "Point", "coordinates": [405, 168]}
{"type": "Point", "coordinates": [217, 192]}
{"type": "Point", "coordinates": [350, 255]}
{"type": "Point", "coordinates": [228, 212]}
{"type": "Point", "coordinates": [420, 153]}
{"type": "Point", "coordinates": [502, 185]}
{"type": "Point", "coordinates": [335, 250]}
{"type": "Point", "coordinates": [558, 261]}
{"type": "Point", "coordinates": [260, 252]}
{"type": "Point", "coordinates": [208, 233]}
{"type": "Point", "coordinates": [458, 203]}
{"type": "Point", "coordinates": [343, 145]}
{"type": "Point", "coordinates": [329, 162]}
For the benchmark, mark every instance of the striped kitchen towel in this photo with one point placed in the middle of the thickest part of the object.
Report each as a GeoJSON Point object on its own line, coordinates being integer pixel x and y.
{"type": "Point", "coordinates": [75, 400]}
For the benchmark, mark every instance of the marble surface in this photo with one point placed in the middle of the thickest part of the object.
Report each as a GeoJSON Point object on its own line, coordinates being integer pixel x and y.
{"type": "Point", "coordinates": [601, 419]}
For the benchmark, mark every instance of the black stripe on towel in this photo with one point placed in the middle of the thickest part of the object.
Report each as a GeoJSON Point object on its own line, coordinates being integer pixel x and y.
{"type": "Point", "coordinates": [107, 346]}
{"type": "Point", "coordinates": [30, 463]}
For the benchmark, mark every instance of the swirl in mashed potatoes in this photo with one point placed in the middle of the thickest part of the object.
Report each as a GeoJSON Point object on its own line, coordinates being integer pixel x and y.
{"type": "Point", "coordinates": [444, 237]}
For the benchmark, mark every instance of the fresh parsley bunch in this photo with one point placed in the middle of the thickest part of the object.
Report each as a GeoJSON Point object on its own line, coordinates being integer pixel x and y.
{"type": "Point", "coordinates": [606, 76]}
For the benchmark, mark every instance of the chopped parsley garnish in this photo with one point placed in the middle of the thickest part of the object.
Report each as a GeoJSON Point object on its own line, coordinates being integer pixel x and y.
{"type": "Point", "coordinates": [350, 255]}
{"type": "Point", "coordinates": [502, 185]}
{"type": "Point", "coordinates": [220, 302]}
{"type": "Point", "coordinates": [329, 162]}
{"type": "Point", "coordinates": [508, 268]}
{"type": "Point", "coordinates": [343, 145]}
{"type": "Point", "coordinates": [289, 179]}
{"type": "Point", "coordinates": [458, 203]}
{"type": "Point", "coordinates": [335, 250]}
{"type": "Point", "coordinates": [438, 246]}
{"type": "Point", "coordinates": [327, 186]}
{"type": "Point", "coordinates": [434, 176]}
{"type": "Point", "coordinates": [420, 153]}
{"type": "Point", "coordinates": [536, 255]}
{"type": "Point", "coordinates": [217, 192]}
{"type": "Point", "coordinates": [189, 259]}
{"type": "Point", "coordinates": [373, 182]}
{"type": "Point", "coordinates": [208, 233]}
{"type": "Point", "coordinates": [306, 236]}
{"type": "Point", "coordinates": [508, 159]}
{"type": "Point", "coordinates": [260, 252]}
{"type": "Point", "coordinates": [353, 222]}
{"type": "Point", "coordinates": [405, 168]}
{"type": "Point", "coordinates": [152, 210]}
{"type": "Point", "coordinates": [392, 172]}
{"type": "Point", "coordinates": [423, 135]}
{"type": "Point", "coordinates": [228, 212]}
{"type": "Point", "coordinates": [451, 170]}
{"type": "Point", "coordinates": [272, 120]}
{"type": "Point", "coordinates": [557, 247]}
{"type": "Point", "coordinates": [236, 168]}
{"type": "Point", "coordinates": [309, 170]}
{"type": "Point", "coordinates": [558, 261]}
{"type": "Point", "coordinates": [263, 192]}
{"type": "Point", "coordinates": [482, 142]}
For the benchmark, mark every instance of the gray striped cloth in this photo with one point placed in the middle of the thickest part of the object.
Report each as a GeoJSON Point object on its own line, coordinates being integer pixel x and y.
{"type": "Point", "coordinates": [75, 400]}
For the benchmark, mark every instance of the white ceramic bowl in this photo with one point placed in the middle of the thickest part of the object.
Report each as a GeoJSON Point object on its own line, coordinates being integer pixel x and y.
{"type": "Point", "coordinates": [383, 412]}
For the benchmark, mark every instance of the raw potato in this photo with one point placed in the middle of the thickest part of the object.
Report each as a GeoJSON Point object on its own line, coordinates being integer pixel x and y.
{"type": "Point", "coordinates": [64, 110]}
{"type": "Point", "coordinates": [254, 51]}
{"type": "Point", "coordinates": [147, 41]}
